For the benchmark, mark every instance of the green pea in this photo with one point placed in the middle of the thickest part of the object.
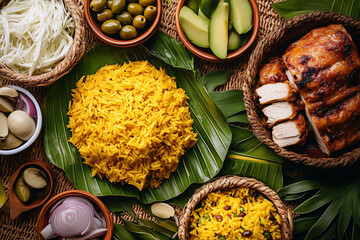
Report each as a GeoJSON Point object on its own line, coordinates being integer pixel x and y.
{"type": "Point", "coordinates": [106, 14]}
{"type": "Point", "coordinates": [206, 215]}
{"type": "Point", "coordinates": [221, 238]}
{"type": "Point", "coordinates": [202, 220]}
{"type": "Point", "coordinates": [242, 209]}
{"type": "Point", "coordinates": [266, 234]}
{"type": "Point", "coordinates": [97, 5]}
{"type": "Point", "coordinates": [118, 6]}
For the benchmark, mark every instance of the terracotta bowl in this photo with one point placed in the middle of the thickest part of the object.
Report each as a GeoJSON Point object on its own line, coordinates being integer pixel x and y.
{"type": "Point", "coordinates": [38, 124]}
{"type": "Point", "coordinates": [274, 44]}
{"type": "Point", "coordinates": [117, 42]}
{"type": "Point", "coordinates": [43, 218]}
{"type": "Point", "coordinates": [16, 206]}
{"type": "Point", "coordinates": [229, 182]}
{"type": "Point", "coordinates": [206, 54]}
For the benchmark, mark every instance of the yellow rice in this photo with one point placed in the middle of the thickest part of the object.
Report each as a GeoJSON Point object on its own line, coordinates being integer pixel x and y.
{"type": "Point", "coordinates": [130, 123]}
{"type": "Point", "coordinates": [261, 217]}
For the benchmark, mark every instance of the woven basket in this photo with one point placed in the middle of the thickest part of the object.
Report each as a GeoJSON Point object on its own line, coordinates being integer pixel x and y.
{"type": "Point", "coordinates": [229, 182]}
{"type": "Point", "coordinates": [74, 54]}
{"type": "Point", "coordinates": [274, 45]}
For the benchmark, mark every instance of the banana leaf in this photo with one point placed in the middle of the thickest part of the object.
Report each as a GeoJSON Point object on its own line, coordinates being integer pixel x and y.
{"type": "Point", "coordinates": [198, 165]}
{"type": "Point", "coordinates": [291, 8]}
{"type": "Point", "coordinates": [3, 197]}
{"type": "Point", "coordinates": [329, 204]}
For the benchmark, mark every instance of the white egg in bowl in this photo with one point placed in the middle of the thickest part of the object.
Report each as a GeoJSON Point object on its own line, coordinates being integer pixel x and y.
{"type": "Point", "coordinates": [20, 119]}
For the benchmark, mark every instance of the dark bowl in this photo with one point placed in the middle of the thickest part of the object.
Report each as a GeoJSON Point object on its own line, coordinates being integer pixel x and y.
{"type": "Point", "coordinates": [206, 54]}
{"type": "Point", "coordinates": [117, 42]}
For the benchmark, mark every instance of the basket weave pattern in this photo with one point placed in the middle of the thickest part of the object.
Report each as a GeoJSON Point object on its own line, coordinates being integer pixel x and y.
{"type": "Point", "coordinates": [292, 29]}
{"type": "Point", "coordinates": [229, 182]}
{"type": "Point", "coordinates": [74, 54]}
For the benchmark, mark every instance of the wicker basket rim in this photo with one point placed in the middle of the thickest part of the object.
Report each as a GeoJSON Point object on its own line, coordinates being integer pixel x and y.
{"type": "Point", "coordinates": [228, 182]}
{"type": "Point", "coordinates": [75, 52]}
{"type": "Point", "coordinates": [255, 61]}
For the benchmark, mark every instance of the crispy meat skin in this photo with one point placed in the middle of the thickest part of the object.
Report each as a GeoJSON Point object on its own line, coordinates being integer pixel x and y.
{"type": "Point", "coordinates": [272, 72]}
{"type": "Point", "coordinates": [326, 69]}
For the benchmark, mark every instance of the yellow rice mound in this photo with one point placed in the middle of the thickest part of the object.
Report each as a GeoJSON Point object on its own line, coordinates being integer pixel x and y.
{"type": "Point", "coordinates": [130, 123]}
{"type": "Point", "coordinates": [239, 213]}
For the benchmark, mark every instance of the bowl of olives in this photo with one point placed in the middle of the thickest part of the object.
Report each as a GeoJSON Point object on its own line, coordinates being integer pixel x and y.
{"type": "Point", "coordinates": [123, 23]}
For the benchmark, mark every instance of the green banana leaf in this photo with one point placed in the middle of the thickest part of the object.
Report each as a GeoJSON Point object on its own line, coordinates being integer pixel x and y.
{"type": "Point", "coordinates": [3, 197]}
{"type": "Point", "coordinates": [329, 204]}
{"type": "Point", "coordinates": [198, 165]}
{"type": "Point", "coordinates": [291, 8]}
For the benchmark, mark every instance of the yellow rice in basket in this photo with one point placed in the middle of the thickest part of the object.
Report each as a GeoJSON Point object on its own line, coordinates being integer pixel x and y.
{"type": "Point", "coordinates": [236, 214]}
{"type": "Point", "coordinates": [130, 123]}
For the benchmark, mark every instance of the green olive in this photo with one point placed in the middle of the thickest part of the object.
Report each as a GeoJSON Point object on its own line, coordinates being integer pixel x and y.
{"type": "Point", "coordinates": [135, 9]}
{"type": "Point", "coordinates": [22, 191]}
{"type": "Point", "coordinates": [139, 22]}
{"type": "Point", "coordinates": [111, 26]}
{"type": "Point", "coordinates": [106, 14]}
{"type": "Point", "coordinates": [128, 32]}
{"type": "Point", "coordinates": [124, 18]}
{"type": "Point", "coordinates": [109, 3]}
{"type": "Point", "coordinates": [146, 3]}
{"type": "Point", "coordinates": [150, 13]}
{"type": "Point", "coordinates": [118, 6]}
{"type": "Point", "coordinates": [97, 5]}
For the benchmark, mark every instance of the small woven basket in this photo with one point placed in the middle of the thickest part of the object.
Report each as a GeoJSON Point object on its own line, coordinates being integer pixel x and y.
{"type": "Point", "coordinates": [228, 182]}
{"type": "Point", "coordinates": [74, 54]}
{"type": "Point", "coordinates": [274, 45]}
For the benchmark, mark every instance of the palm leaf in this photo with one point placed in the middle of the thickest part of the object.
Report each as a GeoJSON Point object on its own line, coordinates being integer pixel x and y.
{"type": "Point", "coordinates": [198, 165]}
{"type": "Point", "coordinates": [239, 117]}
{"type": "Point", "coordinates": [291, 8]}
{"type": "Point", "coordinates": [2, 195]}
{"type": "Point", "coordinates": [122, 233]}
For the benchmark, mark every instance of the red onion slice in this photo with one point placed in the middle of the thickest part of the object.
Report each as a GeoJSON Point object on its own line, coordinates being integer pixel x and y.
{"type": "Point", "coordinates": [25, 104]}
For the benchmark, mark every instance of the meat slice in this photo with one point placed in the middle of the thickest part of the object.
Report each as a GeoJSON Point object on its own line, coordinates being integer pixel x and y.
{"type": "Point", "coordinates": [280, 111]}
{"type": "Point", "coordinates": [275, 92]}
{"type": "Point", "coordinates": [325, 66]}
{"type": "Point", "coordinates": [290, 132]}
{"type": "Point", "coordinates": [272, 72]}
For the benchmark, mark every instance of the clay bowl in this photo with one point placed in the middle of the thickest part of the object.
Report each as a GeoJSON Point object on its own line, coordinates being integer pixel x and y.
{"type": "Point", "coordinates": [43, 218]}
{"type": "Point", "coordinates": [206, 54]}
{"type": "Point", "coordinates": [117, 42]}
{"type": "Point", "coordinates": [274, 44]}
{"type": "Point", "coordinates": [16, 206]}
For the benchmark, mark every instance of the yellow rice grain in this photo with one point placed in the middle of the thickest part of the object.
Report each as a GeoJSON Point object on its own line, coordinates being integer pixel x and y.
{"type": "Point", "coordinates": [130, 123]}
{"type": "Point", "coordinates": [261, 217]}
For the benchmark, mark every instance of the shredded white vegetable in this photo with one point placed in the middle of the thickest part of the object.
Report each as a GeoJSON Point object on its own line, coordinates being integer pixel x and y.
{"type": "Point", "coordinates": [34, 35]}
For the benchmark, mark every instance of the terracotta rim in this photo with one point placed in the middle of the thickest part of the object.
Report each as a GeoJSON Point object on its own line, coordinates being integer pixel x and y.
{"type": "Point", "coordinates": [290, 30]}
{"type": "Point", "coordinates": [122, 43]}
{"type": "Point", "coordinates": [228, 182]}
{"type": "Point", "coordinates": [206, 55]}
{"type": "Point", "coordinates": [43, 216]}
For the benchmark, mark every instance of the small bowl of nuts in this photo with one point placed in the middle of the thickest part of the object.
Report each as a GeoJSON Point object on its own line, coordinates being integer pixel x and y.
{"type": "Point", "coordinates": [20, 119]}
{"type": "Point", "coordinates": [123, 23]}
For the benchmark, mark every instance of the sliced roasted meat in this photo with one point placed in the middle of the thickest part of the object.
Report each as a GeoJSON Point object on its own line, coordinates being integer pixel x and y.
{"type": "Point", "coordinates": [276, 92]}
{"type": "Point", "coordinates": [272, 72]}
{"type": "Point", "coordinates": [281, 111]}
{"type": "Point", "coordinates": [290, 132]}
{"type": "Point", "coordinates": [325, 67]}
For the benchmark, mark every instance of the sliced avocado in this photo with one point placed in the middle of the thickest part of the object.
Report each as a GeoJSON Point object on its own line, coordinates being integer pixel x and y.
{"type": "Point", "coordinates": [208, 6]}
{"type": "Point", "coordinates": [241, 15]}
{"type": "Point", "coordinates": [202, 15]}
{"type": "Point", "coordinates": [218, 30]}
{"type": "Point", "coordinates": [194, 5]}
{"type": "Point", "coordinates": [236, 40]}
{"type": "Point", "coordinates": [194, 27]}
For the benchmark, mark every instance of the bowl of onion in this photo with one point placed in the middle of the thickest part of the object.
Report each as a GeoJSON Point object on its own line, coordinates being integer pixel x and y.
{"type": "Point", "coordinates": [20, 119]}
{"type": "Point", "coordinates": [74, 214]}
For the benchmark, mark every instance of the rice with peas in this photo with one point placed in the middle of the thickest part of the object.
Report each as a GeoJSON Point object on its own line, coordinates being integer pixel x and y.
{"type": "Point", "coordinates": [235, 214]}
{"type": "Point", "coordinates": [130, 123]}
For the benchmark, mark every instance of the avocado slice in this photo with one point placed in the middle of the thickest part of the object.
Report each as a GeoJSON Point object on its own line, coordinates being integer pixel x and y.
{"type": "Point", "coordinates": [202, 15]}
{"type": "Point", "coordinates": [194, 27]}
{"type": "Point", "coordinates": [218, 30]}
{"type": "Point", "coordinates": [241, 15]}
{"type": "Point", "coordinates": [236, 40]}
{"type": "Point", "coordinates": [194, 5]}
{"type": "Point", "coordinates": [208, 6]}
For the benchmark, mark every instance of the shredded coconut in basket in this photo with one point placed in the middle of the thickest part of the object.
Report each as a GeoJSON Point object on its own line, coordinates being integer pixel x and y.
{"type": "Point", "coordinates": [34, 35]}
